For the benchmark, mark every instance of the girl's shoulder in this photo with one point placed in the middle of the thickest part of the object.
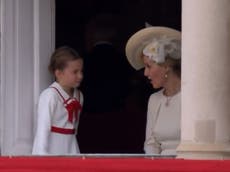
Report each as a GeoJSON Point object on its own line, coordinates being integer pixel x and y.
{"type": "Point", "coordinates": [49, 93]}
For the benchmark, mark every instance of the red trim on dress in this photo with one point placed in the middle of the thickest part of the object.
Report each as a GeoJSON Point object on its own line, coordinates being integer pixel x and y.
{"type": "Point", "coordinates": [62, 130]}
{"type": "Point", "coordinates": [73, 107]}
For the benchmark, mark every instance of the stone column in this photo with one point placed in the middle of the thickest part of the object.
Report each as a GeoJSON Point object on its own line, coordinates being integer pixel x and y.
{"type": "Point", "coordinates": [27, 40]}
{"type": "Point", "coordinates": [205, 80]}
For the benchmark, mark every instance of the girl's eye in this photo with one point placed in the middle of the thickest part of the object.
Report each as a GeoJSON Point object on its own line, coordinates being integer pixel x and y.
{"type": "Point", "coordinates": [77, 71]}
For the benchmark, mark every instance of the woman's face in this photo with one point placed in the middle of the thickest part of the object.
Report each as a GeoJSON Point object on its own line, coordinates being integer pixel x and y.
{"type": "Point", "coordinates": [154, 72]}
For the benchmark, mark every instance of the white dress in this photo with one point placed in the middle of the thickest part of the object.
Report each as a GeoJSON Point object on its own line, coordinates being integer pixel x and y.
{"type": "Point", "coordinates": [55, 133]}
{"type": "Point", "coordinates": [163, 124]}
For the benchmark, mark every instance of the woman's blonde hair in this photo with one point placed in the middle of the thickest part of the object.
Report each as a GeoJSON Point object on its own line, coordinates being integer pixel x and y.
{"type": "Point", "coordinates": [174, 64]}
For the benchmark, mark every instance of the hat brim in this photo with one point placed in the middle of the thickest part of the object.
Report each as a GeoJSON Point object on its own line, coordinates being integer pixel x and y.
{"type": "Point", "coordinates": [140, 39]}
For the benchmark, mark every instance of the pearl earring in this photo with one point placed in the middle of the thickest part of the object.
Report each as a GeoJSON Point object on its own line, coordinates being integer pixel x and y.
{"type": "Point", "coordinates": [166, 76]}
{"type": "Point", "coordinates": [166, 72]}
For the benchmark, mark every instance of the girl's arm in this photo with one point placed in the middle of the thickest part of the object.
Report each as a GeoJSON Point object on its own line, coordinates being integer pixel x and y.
{"type": "Point", "coordinates": [45, 109]}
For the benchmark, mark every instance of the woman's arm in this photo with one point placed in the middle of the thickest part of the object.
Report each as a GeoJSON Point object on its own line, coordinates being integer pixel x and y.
{"type": "Point", "coordinates": [151, 146]}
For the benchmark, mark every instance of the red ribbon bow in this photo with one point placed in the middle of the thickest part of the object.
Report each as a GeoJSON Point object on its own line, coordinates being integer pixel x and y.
{"type": "Point", "coordinates": [73, 108]}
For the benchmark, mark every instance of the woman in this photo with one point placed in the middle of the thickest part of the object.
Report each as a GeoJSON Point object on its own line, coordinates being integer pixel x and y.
{"type": "Point", "coordinates": [158, 50]}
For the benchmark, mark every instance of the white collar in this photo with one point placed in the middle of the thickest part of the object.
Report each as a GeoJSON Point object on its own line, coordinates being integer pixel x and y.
{"type": "Point", "coordinates": [63, 92]}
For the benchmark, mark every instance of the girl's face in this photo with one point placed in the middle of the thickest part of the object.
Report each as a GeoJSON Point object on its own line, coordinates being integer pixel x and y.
{"type": "Point", "coordinates": [72, 75]}
{"type": "Point", "coordinates": [154, 72]}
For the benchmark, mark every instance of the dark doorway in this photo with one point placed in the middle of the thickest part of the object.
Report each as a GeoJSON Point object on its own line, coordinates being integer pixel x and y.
{"type": "Point", "coordinates": [114, 113]}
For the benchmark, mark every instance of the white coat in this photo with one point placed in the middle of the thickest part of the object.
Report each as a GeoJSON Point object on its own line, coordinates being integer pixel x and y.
{"type": "Point", "coordinates": [163, 124]}
{"type": "Point", "coordinates": [56, 132]}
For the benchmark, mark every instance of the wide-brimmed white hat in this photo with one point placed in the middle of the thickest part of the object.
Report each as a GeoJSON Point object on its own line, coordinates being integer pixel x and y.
{"type": "Point", "coordinates": [138, 41]}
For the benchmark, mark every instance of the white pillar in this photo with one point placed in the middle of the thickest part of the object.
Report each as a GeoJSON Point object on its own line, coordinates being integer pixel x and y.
{"type": "Point", "coordinates": [205, 80]}
{"type": "Point", "coordinates": [27, 40]}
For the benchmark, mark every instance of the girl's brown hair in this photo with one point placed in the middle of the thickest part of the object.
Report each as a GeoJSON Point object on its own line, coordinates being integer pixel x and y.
{"type": "Point", "coordinates": [60, 57]}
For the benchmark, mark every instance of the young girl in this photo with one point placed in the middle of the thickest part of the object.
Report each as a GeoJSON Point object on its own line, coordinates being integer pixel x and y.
{"type": "Point", "coordinates": [59, 106]}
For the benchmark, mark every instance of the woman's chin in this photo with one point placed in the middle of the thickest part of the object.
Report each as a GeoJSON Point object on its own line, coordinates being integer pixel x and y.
{"type": "Point", "coordinates": [155, 86]}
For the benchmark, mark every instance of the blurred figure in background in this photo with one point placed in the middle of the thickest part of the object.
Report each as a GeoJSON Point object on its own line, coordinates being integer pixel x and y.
{"type": "Point", "coordinates": [111, 119]}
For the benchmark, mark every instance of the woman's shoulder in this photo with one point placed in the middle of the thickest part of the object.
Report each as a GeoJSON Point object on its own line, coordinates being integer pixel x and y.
{"type": "Point", "coordinates": [156, 95]}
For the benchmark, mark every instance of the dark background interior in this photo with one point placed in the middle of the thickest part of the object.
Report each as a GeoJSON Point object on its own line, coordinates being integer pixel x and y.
{"type": "Point", "coordinates": [115, 96]}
